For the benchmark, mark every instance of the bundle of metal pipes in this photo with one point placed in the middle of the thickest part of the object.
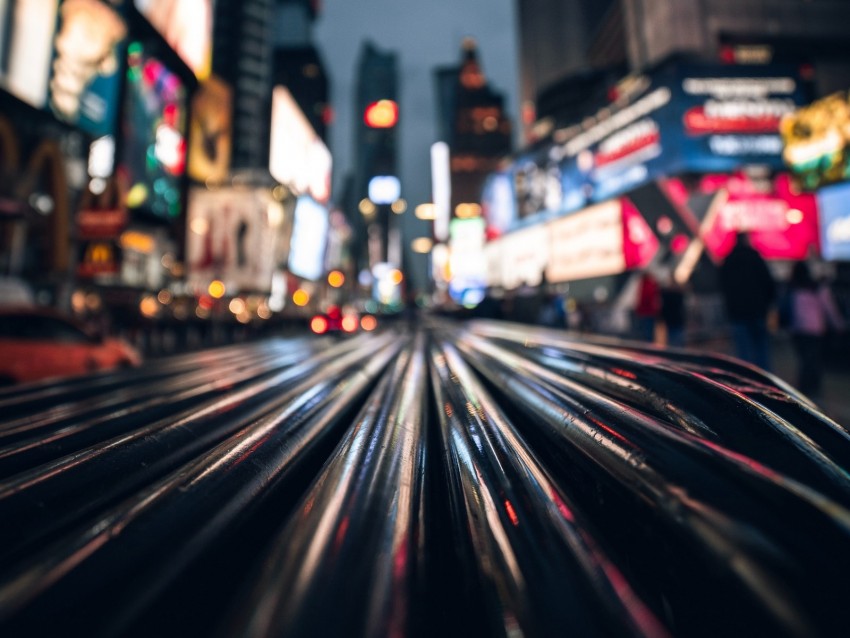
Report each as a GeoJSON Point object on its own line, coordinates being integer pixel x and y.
{"type": "Point", "coordinates": [457, 479]}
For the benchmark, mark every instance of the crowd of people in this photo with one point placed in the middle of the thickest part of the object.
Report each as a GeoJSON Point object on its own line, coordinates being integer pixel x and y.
{"type": "Point", "coordinates": [805, 306]}
{"type": "Point", "coordinates": [752, 298]}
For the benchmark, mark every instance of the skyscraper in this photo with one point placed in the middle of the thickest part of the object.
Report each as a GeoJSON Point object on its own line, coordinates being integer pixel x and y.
{"type": "Point", "coordinates": [375, 149]}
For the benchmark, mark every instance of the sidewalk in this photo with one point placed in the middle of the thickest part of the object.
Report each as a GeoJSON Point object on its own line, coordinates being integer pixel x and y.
{"type": "Point", "coordinates": [835, 399]}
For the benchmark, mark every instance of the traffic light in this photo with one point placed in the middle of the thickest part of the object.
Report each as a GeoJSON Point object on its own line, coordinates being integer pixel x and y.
{"type": "Point", "coordinates": [381, 114]}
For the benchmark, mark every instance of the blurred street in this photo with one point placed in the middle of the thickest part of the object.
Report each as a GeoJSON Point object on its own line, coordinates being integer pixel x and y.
{"type": "Point", "coordinates": [405, 318]}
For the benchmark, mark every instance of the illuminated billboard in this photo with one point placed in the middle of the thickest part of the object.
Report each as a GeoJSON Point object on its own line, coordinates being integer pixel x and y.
{"type": "Point", "coordinates": [210, 131]}
{"type": "Point", "coordinates": [154, 151]}
{"type": "Point", "coordinates": [297, 156]}
{"type": "Point", "coordinates": [606, 239]}
{"type": "Point", "coordinates": [232, 235]}
{"type": "Point", "coordinates": [309, 239]}
{"type": "Point", "coordinates": [834, 206]}
{"type": "Point", "coordinates": [187, 27]}
{"type": "Point", "coordinates": [497, 204]}
{"type": "Point", "coordinates": [699, 118]}
{"type": "Point", "coordinates": [817, 141]}
{"type": "Point", "coordinates": [467, 261]}
{"type": "Point", "coordinates": [26, 48]}
{"type": "Point", "coordinates": [781, 222]}
{"type": "Point", "coordinates": [525, 254]}
{"type": "Point", "coordinates": [64, 56]}
{"type": "Point", "coordinates": [679, 118]}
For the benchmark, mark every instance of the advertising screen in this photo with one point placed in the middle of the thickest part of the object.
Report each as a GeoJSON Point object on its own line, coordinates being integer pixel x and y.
{"type": "Point", "coordinates": [537, 184]}
{"type": "Point", "coordinates": [497, 204]}
{"type": "Point", "coordinates": [731, 115]}
{"type": "Point", "coordinates": [525, 254]}
{"type": "Point", "coordinates": [676, 119]}
{"type": "Point", "coordinates": [781, 223]}
{"type": "Point", "coordinates": [467, 262]}
{"type": "Point", "coordinates": [26, 48]}
{"type": "Point", "coordinates": [210, 131]}
{"type": "Point", "coordinates": [309, 239]}
{"type": "Point", "coordinates": [64, 56]}
{"type": "Point", "coordinates": [587, 244]}
{"type": "Point", "coordinates": [187, 27]}
{"type": "Point", "coordinates": [297, 156]}
{"type": "Point", "coordinates": [232, 236]}
{"type": "Point", "coordinates": [834, 206]}
{"type": "Point", "coordinates": [816, 145]}
{"type": "Point", "coordinates": [154, 128]}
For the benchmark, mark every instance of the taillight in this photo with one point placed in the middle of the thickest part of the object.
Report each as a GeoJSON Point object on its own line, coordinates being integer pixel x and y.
{"type": "Point", "coordinates": [368, 323]}
{"type": "Point", "coordinates": [349, 323]}
{"type": "Point", "coordinates": [319, 324]}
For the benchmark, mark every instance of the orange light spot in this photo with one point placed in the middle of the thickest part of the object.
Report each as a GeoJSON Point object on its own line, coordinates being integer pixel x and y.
{"type": "Point", "coordinates": [216, 289]}
{"type": "Point", "coordinates": [381, 114]}
{"type": "Point", "coordinates": [335, 279]}
{"type": "Point", "coordinates": [319, 325]}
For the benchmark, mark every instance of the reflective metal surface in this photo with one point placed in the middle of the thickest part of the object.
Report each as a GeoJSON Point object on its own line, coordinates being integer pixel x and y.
{"type": "Point", "coordinates": [479, 479]}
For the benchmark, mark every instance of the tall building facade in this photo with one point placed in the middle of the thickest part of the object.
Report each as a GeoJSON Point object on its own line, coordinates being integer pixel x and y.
{"type": "Point", "coordinates": [560, 39]}
{"type": "Point", "coordinates": [375, 149]}
{"type": "Point", "coordinates": [473, 123]}
{"type": "Point", "coordinates": [243, 54]}
{"type": "Point", "coordinates": [298, 64]}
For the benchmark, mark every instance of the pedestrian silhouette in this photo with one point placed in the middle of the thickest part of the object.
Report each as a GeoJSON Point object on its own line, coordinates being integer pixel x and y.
{"type": "Point", "coordinates": [648, 306]}
{"type": "Point", "coordinates": [749, 293]}
{"type": "Point", "coordinates": [673, 312]}
{"type": "Point", "coordinates": [813, 312]}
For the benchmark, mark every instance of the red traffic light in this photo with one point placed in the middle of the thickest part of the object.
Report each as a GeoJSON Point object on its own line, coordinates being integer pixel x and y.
{"type": "Point", "coordinates": [381, 114]}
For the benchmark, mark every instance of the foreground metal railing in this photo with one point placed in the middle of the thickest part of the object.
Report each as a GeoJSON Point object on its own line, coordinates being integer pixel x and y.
{"type": "Point", "coordinates": [459, 479]}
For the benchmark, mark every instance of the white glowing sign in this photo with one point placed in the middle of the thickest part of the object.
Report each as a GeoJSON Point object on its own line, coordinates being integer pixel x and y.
{"type": "Point", "coordinates": [384, 189]}
{"type": "Point", "coordinates": [297, 156]}
{"type": "Point", "coordinates": [441, 189]}
{"type": "Point", "coordinates": [526, 253]}
{"type": "Point", "coordinates": [587, 244]}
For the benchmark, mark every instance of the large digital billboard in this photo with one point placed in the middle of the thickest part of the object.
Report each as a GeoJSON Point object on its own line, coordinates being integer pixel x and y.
{"type": "Point", "coordinates": [154, 133]}
{"type": "Point", "coordinates": [698, 118]}
{"type": "Point", "coordinates": [781, 222]}
{"type": "Point", "coordinates": [210, 131]}
{"type": "Point", "coordinates": [677, 119]}
{"type": "Point", "coordinates": [834, 207]}
{"type": "Point", "coordinates": [498, 205]}
{"type": "Point", "coordinates": [297, 156]}
{"type": "Point", "coordinates": [309, 239]}
{"type": "Point", "coordinates": [817, 141]}
{"type": "Point", "coordinates": [26, 48]}
{"type": "Point", "coordinates": [187, 27]}
{"type": "Point", "coordinates": [64, 56]}
{"type": "Point", "coordinates": [605, 239]}
{"type": "Point", "coordinates": [233, 235]}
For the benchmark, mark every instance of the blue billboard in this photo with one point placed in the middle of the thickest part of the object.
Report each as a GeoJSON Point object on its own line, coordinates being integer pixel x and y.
{"type": "Point", "coordinates": [688, 118]}
{"type": "Point", "coordinates": [834, 209]}
{"type": "Point", "coordinates": [679, 118]}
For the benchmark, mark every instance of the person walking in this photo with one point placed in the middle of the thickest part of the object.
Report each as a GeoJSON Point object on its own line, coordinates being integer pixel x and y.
{"type": "Point", "coordinates": [813, 312]}
{"type": "Point", "coordinates": [647, 307]}
{"type": "Point", "coordinates": [749, 293]}
{"type": "Point", "coordinates": [673, 312]}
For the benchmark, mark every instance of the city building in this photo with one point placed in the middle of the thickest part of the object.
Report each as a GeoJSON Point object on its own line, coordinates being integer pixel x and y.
{"type": "Point", "coordinates": [474, 127]}
{"type": "Point", "coordinates": [243, 53]}
{"type": "Point", "coordinates": [376, 185]}
{"type": "Point", "coordinates": [560, 39]}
